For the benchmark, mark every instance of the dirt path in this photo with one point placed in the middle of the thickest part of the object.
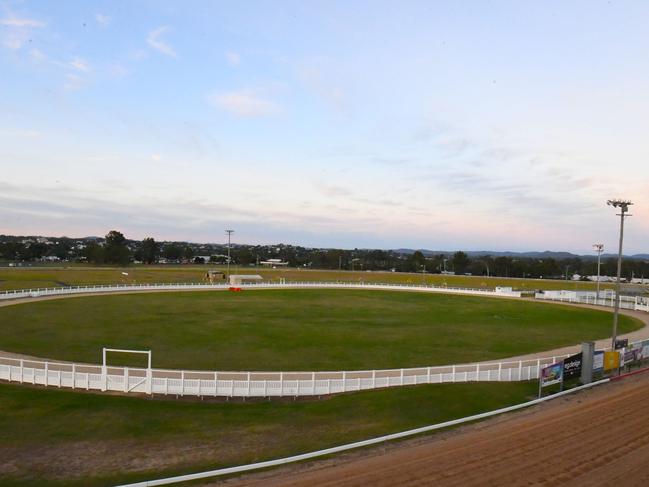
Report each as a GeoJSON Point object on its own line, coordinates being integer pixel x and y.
{"type": "Point", "coordinates": [597, 437]}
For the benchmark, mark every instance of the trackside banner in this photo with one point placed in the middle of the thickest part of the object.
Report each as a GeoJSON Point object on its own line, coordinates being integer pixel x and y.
{"type": "Point", "coordinates": [598, 361]}
{"type": "Point", "coordinates": [552, 374]}
{"type": "Point", "coordinates": [572, 366]}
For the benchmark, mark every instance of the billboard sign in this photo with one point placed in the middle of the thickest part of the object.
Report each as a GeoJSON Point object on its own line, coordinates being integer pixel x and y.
{"type": "Point", "coordinates": [552, 374]}
{"type": "Point", "coordinates": [633, 353]}
{"type": "Point", "coordinates": [598, 361]}
{"type": "Point", "coordinates": [572, 366]}
{"type": "Point", "coordinates": [611, 360]}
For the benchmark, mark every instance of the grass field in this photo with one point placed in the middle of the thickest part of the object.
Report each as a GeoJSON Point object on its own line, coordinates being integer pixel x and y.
{"type": "Point", "coordinates": [297, 329]}
{"type": "Point", "coordinates": [54, 437]}
{"type": "Point", "coordinates": [25, 277]}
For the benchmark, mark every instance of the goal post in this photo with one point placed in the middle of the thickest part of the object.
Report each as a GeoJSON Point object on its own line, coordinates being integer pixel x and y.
{"type": "Point", "coordinates": [104, 368]}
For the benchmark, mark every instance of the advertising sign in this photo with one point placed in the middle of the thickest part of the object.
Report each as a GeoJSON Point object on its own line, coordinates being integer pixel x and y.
{"type": "Point", "coordinates": [572, 366]}
{"type": "Point", "coordinates": [611, 360]}
{"type": "Point", "coordinates": [598, 361]}
{"type": "Point", "coordinates": [645, 349]}
{"type": "Point", "coordinates": [552, 374]}
{"type": "Point", "coordinates": [633, 353]}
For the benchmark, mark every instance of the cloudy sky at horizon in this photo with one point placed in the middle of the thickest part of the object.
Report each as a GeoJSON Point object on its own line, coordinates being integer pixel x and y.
{"type": "Point", "coordinates": [474, 125]}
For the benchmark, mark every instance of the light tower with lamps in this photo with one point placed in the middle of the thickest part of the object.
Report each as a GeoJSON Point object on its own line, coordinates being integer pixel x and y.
{"type": "Point", "coordinates": [599, 248]}
{"type": "Point", "coordinates": [623, 205]}
{"type": "Point", "coordinates": [229, 232]}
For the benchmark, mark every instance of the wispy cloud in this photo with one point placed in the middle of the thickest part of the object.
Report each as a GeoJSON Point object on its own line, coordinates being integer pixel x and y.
{"type": "Point", "coordinates": [154, 40]}
{"type": "Point", "coordinates": [18, 31]}
{"type": "Point", "coordinates": [233, 58]}
{"type": "Point", "coordinates": [243, 103]}
{"type": "Point", "coordinates": [16, 22]}
{"type": "Point", "coordinates": [79, 65]}
{"type": "Point", "coordinates": [102, 19]}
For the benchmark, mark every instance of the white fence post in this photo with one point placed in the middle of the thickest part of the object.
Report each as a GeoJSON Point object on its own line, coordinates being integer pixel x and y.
{"type": "Point", "coordinates": [344, 381]}
{"type": "Point", "coordinates": [126, 379]}
{"type": "Point", "coordinates": [74, 376]}
{"type": "Point", "coordinates": [47, 372]}
{"type": "Point", "coordinates": [500, 370]}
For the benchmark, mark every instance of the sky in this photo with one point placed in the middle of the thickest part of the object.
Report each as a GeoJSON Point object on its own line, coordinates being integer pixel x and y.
{"type": "Point", "coordinates": [486, 125]}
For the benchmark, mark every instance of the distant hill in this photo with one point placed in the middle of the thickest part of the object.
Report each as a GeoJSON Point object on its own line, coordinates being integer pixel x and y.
{"type": "Point", "coordinates": [546, 254]}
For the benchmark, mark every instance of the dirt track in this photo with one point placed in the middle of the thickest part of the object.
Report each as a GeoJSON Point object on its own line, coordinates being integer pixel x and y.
{"type": "Point", "coordinates": [597, 437]}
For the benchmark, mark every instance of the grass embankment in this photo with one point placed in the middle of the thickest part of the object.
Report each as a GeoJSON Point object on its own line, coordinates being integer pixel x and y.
{"type": "Point", "coordinates": [24, 278]}
{"type": "Point", "coordinates": [297, 329]}
{"type": "Point", "coordinates": [55, 437]}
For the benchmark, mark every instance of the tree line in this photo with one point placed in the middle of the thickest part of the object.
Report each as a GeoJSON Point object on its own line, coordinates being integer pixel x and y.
{"type": "Point", "coordinates": [116, 249]}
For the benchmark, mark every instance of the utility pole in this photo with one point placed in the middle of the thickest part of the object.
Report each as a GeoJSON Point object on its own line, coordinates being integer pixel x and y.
{"type": "Point", "coordinates": [623, 205]}
{"type": "Point", "coordinates": [229, 232]}
{"type": "Point", "coordinates": [599, 248]}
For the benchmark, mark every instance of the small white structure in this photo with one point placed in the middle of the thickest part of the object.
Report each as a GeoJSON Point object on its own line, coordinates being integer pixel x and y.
{"type": "Point", "coordinates": [238, 279]}
{"type": "Point", "coordinates": [640, 280]}
{"type": "Point", "coordinates": [274, 262]}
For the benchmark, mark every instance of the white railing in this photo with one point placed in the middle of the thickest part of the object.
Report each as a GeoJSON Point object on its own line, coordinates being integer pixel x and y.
{"type": "Point", "coordinates": [637, 303]}
{"type": "Point", "coordinates": [108, 288]}
{"type": "Point", "coordinates": [256, 384]}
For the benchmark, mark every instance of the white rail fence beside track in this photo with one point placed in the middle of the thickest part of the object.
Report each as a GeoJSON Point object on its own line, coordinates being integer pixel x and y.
{"type": "Point", "coordinates": [112, 288]}
{"type": "Point", "coordinates": [638, 303]}
{"type": "Point", "coordinates": [255, 384]}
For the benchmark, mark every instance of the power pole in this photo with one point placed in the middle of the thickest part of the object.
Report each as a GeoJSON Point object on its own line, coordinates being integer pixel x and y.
{"type": "Point", "coordinates": [599, 248]}
{"type": "Point", "coordinates": [623, 205]}
{"type": "Point", "coordinates": [229, 232]}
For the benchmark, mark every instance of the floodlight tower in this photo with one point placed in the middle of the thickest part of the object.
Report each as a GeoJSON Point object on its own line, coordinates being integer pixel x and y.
{"type": "Point", "coordinates": [623, 205]}
{"type": "Point", "coordinates": [229, 232]}
{"type": "Point", "coordinates": [599, 248]}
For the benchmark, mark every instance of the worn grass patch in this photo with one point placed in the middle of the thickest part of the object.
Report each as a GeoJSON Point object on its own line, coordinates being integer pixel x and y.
{"type": "Point", "coordinates": [56, 437]}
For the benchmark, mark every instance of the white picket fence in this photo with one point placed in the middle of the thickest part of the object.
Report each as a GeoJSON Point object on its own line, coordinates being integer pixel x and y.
{"type": "Point", "coordinates": [111, 288]}
{"type": "Point", "coordinates": [638, 303]}
{"type": "Point", "coordinates": [255, 384]}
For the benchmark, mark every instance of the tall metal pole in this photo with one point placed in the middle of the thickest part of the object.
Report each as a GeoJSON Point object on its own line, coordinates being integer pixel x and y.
{"type": "Point", "coordinates": [624, 208]}
{"type": "Point", "coordinates": [229, 232]}
{"type": "Point", "coordinates": [599, 248]}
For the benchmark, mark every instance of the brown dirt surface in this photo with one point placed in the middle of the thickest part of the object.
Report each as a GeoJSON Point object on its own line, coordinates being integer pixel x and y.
{"type": "Point", "coordinates": [596, 437]}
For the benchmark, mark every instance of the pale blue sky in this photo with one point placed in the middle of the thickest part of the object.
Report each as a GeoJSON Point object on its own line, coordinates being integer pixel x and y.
{"type": "Point", "coordinates": [473, 125]}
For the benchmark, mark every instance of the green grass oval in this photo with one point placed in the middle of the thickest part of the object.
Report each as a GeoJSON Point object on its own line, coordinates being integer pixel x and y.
{"type": "Point", "coordinates": [297, 329]}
